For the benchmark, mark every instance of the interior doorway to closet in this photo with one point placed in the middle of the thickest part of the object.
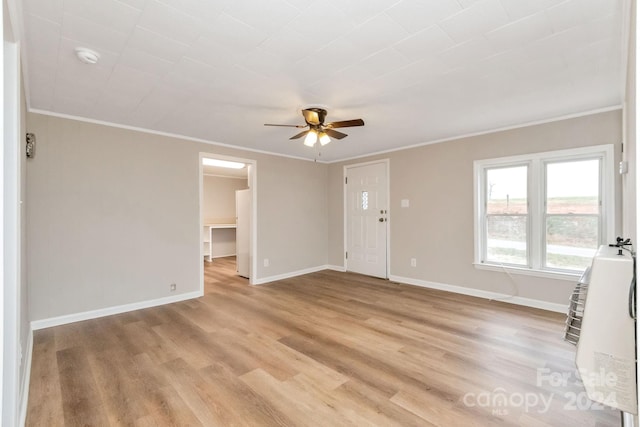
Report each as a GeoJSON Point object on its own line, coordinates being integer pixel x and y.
{"type": "Point", "coordinates": [227, 206]}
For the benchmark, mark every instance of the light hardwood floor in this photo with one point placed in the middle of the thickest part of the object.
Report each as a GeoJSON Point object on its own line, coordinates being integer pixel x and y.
{"type": "Point", "coordinates": [325, 349]}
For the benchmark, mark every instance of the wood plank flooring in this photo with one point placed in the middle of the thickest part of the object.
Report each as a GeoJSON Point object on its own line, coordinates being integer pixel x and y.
{"type": "Point", "coordinates": [325, 349]}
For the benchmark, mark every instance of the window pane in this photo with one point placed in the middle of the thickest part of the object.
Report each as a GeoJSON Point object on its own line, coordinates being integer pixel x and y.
{"type": "Point", "coordinates": [507, 190]}
{"type": "Point", "coordinates": [573, 187]}
{"type": "Point", "coordinates": [572, 241]}
{"type": "Point", "coordinates": [507, 239]}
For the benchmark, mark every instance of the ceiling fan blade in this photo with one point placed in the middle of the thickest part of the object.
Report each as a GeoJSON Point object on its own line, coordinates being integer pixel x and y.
{"type": "Point", "coordinates": [299, 135]}
{"type": "Point", "coordinates": [335, 134]}
{"type": "Point", "coordinates": [345, 124]}
{"type": "Point", "coordinates": [286, 126]}
{"type": "Point", "coordinates": [312, 117]}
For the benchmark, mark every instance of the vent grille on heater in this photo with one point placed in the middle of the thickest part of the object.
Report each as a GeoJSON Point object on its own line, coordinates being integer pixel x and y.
{"type": "Point", "coordinates": [576, 309]}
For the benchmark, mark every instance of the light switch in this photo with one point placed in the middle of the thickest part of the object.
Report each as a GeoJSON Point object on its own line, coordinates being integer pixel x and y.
{"type": "Point", "coordinates": [404, 203]}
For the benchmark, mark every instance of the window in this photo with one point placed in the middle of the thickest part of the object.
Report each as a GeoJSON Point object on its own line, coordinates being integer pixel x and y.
{"type": "Point", "coordinates": [544, 213]}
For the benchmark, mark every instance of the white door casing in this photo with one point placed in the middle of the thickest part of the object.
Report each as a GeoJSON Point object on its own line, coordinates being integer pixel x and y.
{"type": "Point", "coordinates": [366, 218]}
{"type": "Point", "coordinates": [243, 225]}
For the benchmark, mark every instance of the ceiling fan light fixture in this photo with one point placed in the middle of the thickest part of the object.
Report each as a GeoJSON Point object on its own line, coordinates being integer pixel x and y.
{"type": "Point", "coordinates": [311, 138]}
{"type": "Point", "coordinates": [324, 138]}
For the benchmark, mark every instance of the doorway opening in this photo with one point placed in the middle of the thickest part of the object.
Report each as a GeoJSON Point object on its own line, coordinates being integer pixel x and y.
{"type": "Point", "coordinates": [227, 209]}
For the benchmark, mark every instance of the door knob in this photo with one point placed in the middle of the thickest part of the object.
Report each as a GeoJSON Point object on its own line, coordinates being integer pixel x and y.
{"type": "Point", "coordinates": [380, 219]}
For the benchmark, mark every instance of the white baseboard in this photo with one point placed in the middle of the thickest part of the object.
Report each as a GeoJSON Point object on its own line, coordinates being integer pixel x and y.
{"type": "Point", "coordinates": [289, 275]}
{"type": "Point", "coordinates": [222, 256]}
{"type": "Point", "coordinates": [340, 268]}
{"type": "Point", "coordinates": [528, 302]}
{"type": "Point", "coordinates": [94, 314]}
{"type": "Point", "coordinates": [26, 379]}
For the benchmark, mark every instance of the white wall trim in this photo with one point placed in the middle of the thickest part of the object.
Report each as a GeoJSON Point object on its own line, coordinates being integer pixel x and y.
{"type": "Point", "coordinates": [527, 302]}
{"type": "Point", "coordinates": [108, 311]}
{"type": "Point", "coordinates": [167, 134]}
{"type": "Point", "coordinates": [253, 221]}
{"type": "Point", "coordinates": [485, 132]}
{"type": "Point", "coordinates": [289, 275]}
{"type": "Point", "coordinates": [340, 268]}
{"type": "Point", "coordinates": [222, 256]}
{"type": "Point", "coordinates": [392, 150]}
{"type": "Point", "coordinates": [26, 380]}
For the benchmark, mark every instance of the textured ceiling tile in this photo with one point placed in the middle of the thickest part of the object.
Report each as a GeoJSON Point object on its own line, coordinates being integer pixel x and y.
{"type": "Point", "coordinates": [426, 42]}
{"type": "Point", "coordinates": [482, 16]}
{"type": "Point", "coordinates": [264, 63]}
{"type": "Point", "coordinates": [134, 83]}
{"type": "Point", "coordinates": [235, 34]}
{"type": "Point", "coordinates": [558, 45]}
{"type": "Point", "coordinates": [136, 4]}
{"type": "Point", "coordinates": [110, 13]}
{"type": "Point", "coordinates": [299, 4]}
{"type": "Point", "coordinates": [194, 70]}
{"type": "Point", "coordinates": [521, 32]}
{"type": "Point", "coordinates": [376, 34]}
{"type": "Point", "coordinates": [603, 54]}
{"type": "Point", "coordinates": [467, 3]}
{"type": "Point", "coordinates": [414, 73]}
{"type": "Point", "coordinates": [214, 52]}
{"type": "Point", "coordinates": [170, 22]}
{"type": "Point", "coordinates": [290, 45]}
{"type": "Point", "coordinates": [252, 65]}
{"type": "Point", "coordinates": [320, 15]}
{"type": "Point", "coordinates": [92, 35]}
{"type": "Point", "coordinates": [41, 79]}
{"type": "Point", "coordinates": [205, 10]}
{"type": "Point", "coordinates": [43, 37]}
{"type": "Point", "coordinates": [163, 100]}
{"type": "Point", "coordinates": [157, 45]}
{"type": "Point", "coordinates": [360, 11]}
{"type": "Point", "coordinates": [415, 15]}
{"type": "Point", "coordinates": [565, 16]}
{"type": "Point", "coordinates": [467, 53]}
{"type": "Point", "coordinates": [517, 9]}
{"type": "Point", "coordinates": [143, 61]}
{"type": "Point", "coordinates": [511, 59]}
{"type": "Point", "coordinates": [383, 62]}
{"type": "Point", "coordinates": [607, 26]}
{"type": "Point", "coordinates": [46, 9]}
{"type": "Point", "coordinates": [267, 16]}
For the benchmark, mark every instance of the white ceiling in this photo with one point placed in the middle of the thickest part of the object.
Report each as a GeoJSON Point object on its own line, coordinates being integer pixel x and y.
{"type": "Point", "coordinates": [414, 70]}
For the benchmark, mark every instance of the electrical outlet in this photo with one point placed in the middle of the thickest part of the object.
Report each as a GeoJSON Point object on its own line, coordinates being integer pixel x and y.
{"type": "Point", "coordinates": [172, 287]}
{"type": "Point", "coordinates": [413, 262]}
{"type": "Point", "coordinates": [266, 262]}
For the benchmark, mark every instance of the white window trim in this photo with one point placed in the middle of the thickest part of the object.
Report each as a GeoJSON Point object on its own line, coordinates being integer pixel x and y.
{"type": "Point", "coordinates": [536, 205]}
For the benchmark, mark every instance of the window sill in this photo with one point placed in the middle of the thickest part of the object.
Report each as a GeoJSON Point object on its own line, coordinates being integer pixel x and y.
{"type": "Point", "coordinates": [573, 277]}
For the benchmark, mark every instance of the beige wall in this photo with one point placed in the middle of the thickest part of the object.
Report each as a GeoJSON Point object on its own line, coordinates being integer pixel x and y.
{"type": "Point", "coordinates": [113, 215]}
{"type": "Point", "coordinates": [219, 206]}
{"type": "Point", "coordinates": [437, 228]}
{"type": "Point", "coordinates": [219, 197]}
{"type": "Point", "coordinates": [629, 180]}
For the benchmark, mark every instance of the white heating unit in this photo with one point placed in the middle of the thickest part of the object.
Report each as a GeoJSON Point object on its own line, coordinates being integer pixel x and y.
{"type": "Point", "coordinates": [606, 348]}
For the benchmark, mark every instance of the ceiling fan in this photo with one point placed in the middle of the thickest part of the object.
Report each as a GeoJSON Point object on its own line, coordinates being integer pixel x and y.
{"type": "Point", "coordinates": [318, 129]}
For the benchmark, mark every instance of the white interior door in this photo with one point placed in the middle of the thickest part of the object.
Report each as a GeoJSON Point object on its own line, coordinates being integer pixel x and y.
{"type": "Point", "coordinates": [366, 219]}
{"type": "Point", "coordinates": [243, 232]}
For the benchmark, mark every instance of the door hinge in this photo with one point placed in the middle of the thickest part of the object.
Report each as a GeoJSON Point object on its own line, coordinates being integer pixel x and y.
{"type": "Point", "coordinates": [346, 255]}
{"type": "Point", "coordinates": [345, 179]}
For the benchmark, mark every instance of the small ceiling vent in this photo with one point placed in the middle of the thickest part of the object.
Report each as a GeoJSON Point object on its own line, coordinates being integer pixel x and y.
{"type": "Point", "coordinates": [87, 56]}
